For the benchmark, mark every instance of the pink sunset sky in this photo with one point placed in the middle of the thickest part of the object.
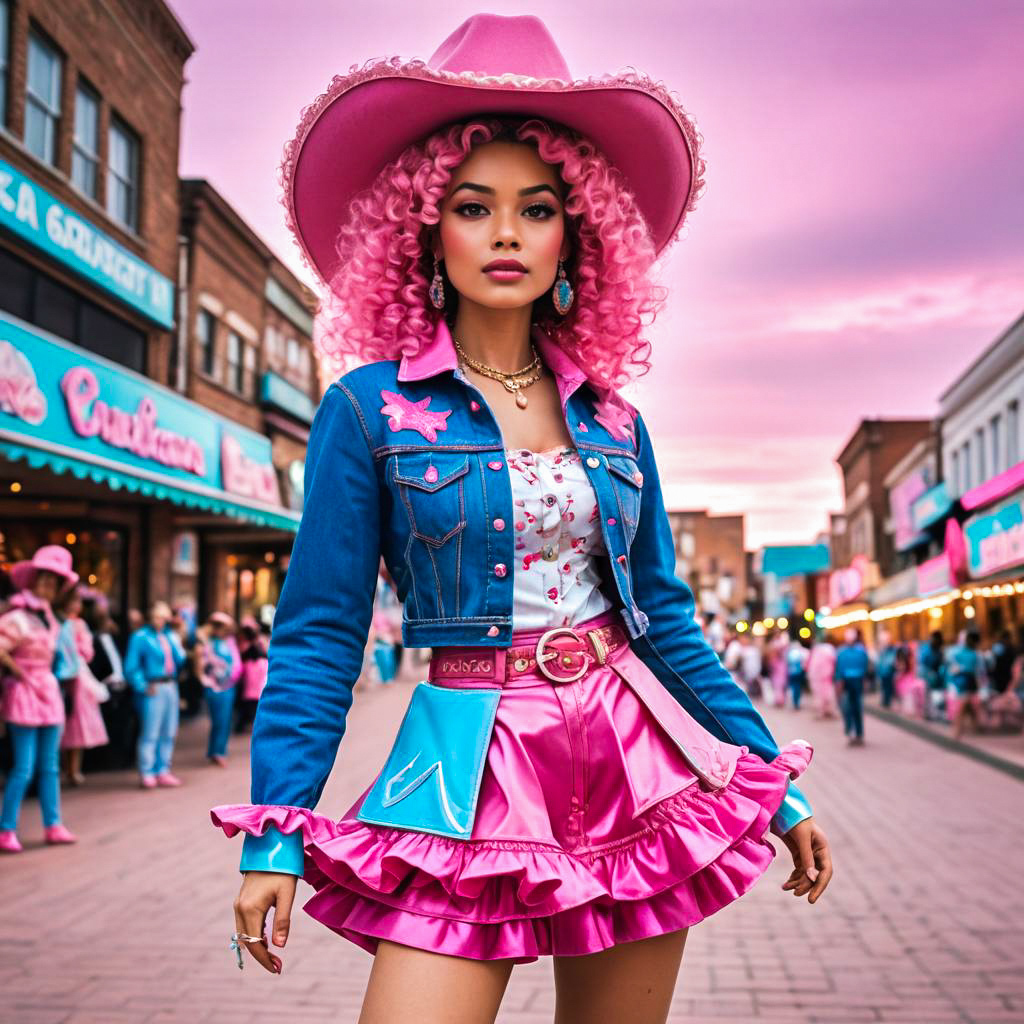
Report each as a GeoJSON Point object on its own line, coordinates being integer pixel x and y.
{"type": "Point", "coordinates": [860, 241]}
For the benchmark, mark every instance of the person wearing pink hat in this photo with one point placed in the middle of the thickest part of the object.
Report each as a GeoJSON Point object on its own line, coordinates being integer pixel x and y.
{"type": "Point", "coordinates": [33, 705]}
{"type": "Point", "coordinates": [579, 777]}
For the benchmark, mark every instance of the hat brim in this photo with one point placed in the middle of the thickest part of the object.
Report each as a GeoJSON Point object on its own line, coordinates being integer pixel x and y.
{"type": "Point", "coordinates": [23, 574]}
{"type": "Point", "coordinates": [366, 119]}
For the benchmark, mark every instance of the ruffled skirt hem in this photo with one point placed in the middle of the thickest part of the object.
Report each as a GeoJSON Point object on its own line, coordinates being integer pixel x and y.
{"type": "Point", "coordinates": [691, 854]}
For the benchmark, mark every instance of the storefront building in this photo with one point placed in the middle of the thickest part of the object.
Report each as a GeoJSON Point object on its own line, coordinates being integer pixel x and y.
{"type": "Point", "coordinates": [107, 445]}
{"type": "Point", "coordinates": [965, 530]}
{"type": "Point", "coordinates": [249, 354]}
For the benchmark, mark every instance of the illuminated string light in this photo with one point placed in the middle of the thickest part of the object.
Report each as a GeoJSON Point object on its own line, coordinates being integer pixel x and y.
{"type": "Point", "coordinates": [783, 622]}
{"type": "Point", "coordinates": [809, 615]}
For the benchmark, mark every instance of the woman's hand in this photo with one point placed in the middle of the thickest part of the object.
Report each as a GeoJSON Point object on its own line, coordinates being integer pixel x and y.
{"type": "Point", "coordinates": [812, 860]}
{"type": "Point", "coordinates": [260, 891]}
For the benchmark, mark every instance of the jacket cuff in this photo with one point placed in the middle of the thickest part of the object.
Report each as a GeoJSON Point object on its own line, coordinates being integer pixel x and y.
{"type": "Point", "coordinates": [795, 808]}
{"type": "Point", "coordinates": [273, 851]}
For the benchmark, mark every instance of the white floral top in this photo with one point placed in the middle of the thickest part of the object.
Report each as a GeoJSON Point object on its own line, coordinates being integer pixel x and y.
{"type": "Point", "coordinates": [558, 540]}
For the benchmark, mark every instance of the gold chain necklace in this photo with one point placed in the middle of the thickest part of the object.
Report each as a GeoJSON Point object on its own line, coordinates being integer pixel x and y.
{"type": "Point", "coordinates": [513, 382]}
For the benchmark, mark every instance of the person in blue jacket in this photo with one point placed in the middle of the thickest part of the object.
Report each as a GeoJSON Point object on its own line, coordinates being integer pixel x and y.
{"type": "Point", "coordinates": [151, 665]}
{"type": "Point", "coordinates": [852, 667]}
{"type": "Point", "coordinates": [579, 777]}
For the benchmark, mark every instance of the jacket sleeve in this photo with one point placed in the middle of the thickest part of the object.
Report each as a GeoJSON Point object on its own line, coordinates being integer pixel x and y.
{"type": "Point", "coordinates": [674, 647]}
{"type": "Point", "coordinates": [316, 647]}
{"type": "Point", "coordinates": [133, 668]}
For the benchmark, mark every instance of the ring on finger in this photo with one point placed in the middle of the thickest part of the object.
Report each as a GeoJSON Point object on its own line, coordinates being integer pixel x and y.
{"type": "Point", "coordinates": [237, 938]}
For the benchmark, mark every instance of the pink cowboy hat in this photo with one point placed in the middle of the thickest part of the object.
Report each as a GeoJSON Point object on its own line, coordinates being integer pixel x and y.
{"type": "Point", "coordinates": [489, 65]}
{"type": "Point", "coordinates": [50, 558]}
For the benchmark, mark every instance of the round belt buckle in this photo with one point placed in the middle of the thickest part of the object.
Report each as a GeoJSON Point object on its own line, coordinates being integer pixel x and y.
{"type": "Point", "coordinates": [543, 659]}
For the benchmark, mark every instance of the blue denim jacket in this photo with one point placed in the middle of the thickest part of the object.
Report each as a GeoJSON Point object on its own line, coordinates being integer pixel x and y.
{"type": "Point", "coordinates": [405, 460]}
{"type": "Point", "coordinates": [145, 658]}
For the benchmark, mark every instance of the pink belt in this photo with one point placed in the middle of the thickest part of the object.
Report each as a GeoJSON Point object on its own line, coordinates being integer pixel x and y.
{"type": "Point", "coordinates": [560, 655]}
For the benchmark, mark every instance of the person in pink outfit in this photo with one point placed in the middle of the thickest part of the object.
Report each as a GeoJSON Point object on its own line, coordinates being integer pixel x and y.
{"type": "Point", "coordinates": [778, 667]}
{"type": "Point", "coordinates": [909, 687]}
{"type": "Point", "coordinates": [252, 646]}
{"type": "Point", "coordinates": [579, 776]}
{"type": "Point", "coordinates": [821, 668]}
{"type": "Point", "coordinates": [84, 727]}
{"type": "Point", "coordinates": [33, 706]}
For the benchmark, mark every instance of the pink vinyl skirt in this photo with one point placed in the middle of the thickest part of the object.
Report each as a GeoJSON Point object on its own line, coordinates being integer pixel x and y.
{"type": "Point", "coordinates": [591, 830]}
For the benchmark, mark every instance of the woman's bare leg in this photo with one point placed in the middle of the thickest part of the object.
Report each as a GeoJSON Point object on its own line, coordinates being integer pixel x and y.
{"type": "Point", "coordinates": [414, 986]}
{"type": "Point", "coordinates": [633, 982]}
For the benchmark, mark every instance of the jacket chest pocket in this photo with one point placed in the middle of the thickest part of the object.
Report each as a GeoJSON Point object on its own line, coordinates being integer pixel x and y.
{"type": "Point", "coordinates": [627, 482]}
{"type": "Point", "coordinates": [431, 486]}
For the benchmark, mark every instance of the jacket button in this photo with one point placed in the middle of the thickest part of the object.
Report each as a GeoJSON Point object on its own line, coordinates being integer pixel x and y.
{"type": "Point", "coordinates": [611, 521]}
{"type": "Point", "coordinates": [593, 462]}
{"type": "Point", "coordinates": [500, 570]}
{"type": "Point", "coordinates": [621, 559]}
{"type": "Point", "coordinates": [495, 465]}
{"type": "Point", "coordinates": [499, 524]}
{"type": "Point", "coordinates": [431, 475]}
{"type": "Point", "coordinates": [493, 631]}
{"type": "Point", "coordinates": [582, 426]}
{"type": "Point", "coordinates": [474, 405]}
{"type": "Point", "coordinates": [639, 478]}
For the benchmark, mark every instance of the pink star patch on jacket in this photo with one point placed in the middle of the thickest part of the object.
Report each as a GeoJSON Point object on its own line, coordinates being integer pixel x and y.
{"type": "Point", "coordinates": [406, 415]}
{"type": "Point", "coordinates": [615, 419]}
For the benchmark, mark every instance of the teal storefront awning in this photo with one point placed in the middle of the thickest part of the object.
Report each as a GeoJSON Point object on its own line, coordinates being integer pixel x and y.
{"type": "Point", "coordinates": [124, 480]}
{"type": "Point", "coordinates": [71, 412]}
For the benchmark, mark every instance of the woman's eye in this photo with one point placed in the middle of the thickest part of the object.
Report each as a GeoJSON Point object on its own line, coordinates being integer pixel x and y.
{"type": "Point", "coordinates": [470, 209]}
{"type": "Point", "coordinates": [540, 211]}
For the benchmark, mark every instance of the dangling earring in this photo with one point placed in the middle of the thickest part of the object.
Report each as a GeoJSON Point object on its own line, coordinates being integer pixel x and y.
{"type": "Point", "coordinates": [562, 294]}
{"type": "Point", "coordinates": [437, 287]}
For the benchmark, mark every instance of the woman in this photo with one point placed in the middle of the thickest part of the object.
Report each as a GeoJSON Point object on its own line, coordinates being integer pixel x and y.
{"type": "Point", "coordinates": [219, 667]}
{"type": "Point", "coordinates": [253, 651]}
{"type": "Point", "coordinates": [154, 657]}
{"type": "Point", "coordinates": [84, 728]}
{"type": "Point", "coordinates": [545, 794]}
{"type": "Point", "coordinates": [797, 657]}
{"type": "Point", "coordinates": [33, 705]}
{"type": "Point", "coordinates": [821, 668]}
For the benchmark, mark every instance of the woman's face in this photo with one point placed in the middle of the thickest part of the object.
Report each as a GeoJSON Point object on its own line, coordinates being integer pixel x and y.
{"type": "Point", "coordinates": [503, 203]}
{"type": "Point", "coordinates": [45, 585]}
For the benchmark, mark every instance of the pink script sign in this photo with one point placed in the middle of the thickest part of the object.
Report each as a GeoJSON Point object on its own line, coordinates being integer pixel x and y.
{"type": "Point", "coordinates": [136, 432]}
{"type": "Point", "coordinates": [246, 477]}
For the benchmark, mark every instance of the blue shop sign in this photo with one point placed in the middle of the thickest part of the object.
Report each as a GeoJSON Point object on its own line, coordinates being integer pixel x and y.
{"type": "Point", "coordinates": [70, 411]}
{"type": "Point", "coordinates": [931, 506]}
{"type": "Point", "coordinates": [281, 394]}
{"type": "Point", "coordinates": [32, 213]}
{"type": "Point", "coordinates": [995, 541]}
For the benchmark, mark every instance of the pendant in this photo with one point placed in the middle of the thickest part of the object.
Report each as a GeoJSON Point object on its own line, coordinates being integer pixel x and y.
{"type": "Point", "coordinates": [520, 400]}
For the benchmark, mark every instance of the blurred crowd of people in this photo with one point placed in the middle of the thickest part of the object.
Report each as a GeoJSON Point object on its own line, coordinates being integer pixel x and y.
{"type": "Point", "coordinates": [73, 683]}
{"type": "Point", "coordinates": [962, 683]}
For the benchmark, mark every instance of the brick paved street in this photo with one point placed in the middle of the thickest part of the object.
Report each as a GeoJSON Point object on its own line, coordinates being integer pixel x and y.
{"type": "Point", "coordinates": [923, 922]}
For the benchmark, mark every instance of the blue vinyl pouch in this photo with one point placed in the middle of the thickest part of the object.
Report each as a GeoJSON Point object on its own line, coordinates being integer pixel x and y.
{"type": "Point", "coordinates": [432, 777]}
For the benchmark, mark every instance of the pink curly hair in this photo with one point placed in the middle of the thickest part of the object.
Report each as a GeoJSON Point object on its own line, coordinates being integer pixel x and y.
{"type": "Point", "coordinates": [377, 306]}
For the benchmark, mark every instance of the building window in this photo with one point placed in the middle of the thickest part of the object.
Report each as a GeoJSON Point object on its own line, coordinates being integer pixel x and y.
{"type": "Point", "coordinates": [955, 471]}
{"type": "Point", "coordinates": [234, 374]}
{"type": "Point", "coordinates": [293, 355]}
{"type": "Point", "coordinates": [39, 299]}
{"type": "Point", "coordinates": [979, 441]}
{"type": "Point", "coordinates": [1012, 440]}
{"type": "Point", "coordinates": [965, 463]}
{"type": "Point", "coordinates": [996, 432]}
{"type": "Point", "coordinates": [206, 331]}
{"type": "Point", "coordinates": [85, 159]}
{"type": "Point", "coordinates": [305, 364]}
{"type": "Point", "coordinates": [248, 387]}
{"type": "Point", "coordinates": [42, 100]}
{"type": "Point", "coordinates": [5, 35]}
{"type": "Point", "coordinates": [123, 175]}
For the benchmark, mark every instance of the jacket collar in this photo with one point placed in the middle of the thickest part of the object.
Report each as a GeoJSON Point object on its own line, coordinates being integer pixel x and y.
{"type": "Point", "coordinates": [438, 355]}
